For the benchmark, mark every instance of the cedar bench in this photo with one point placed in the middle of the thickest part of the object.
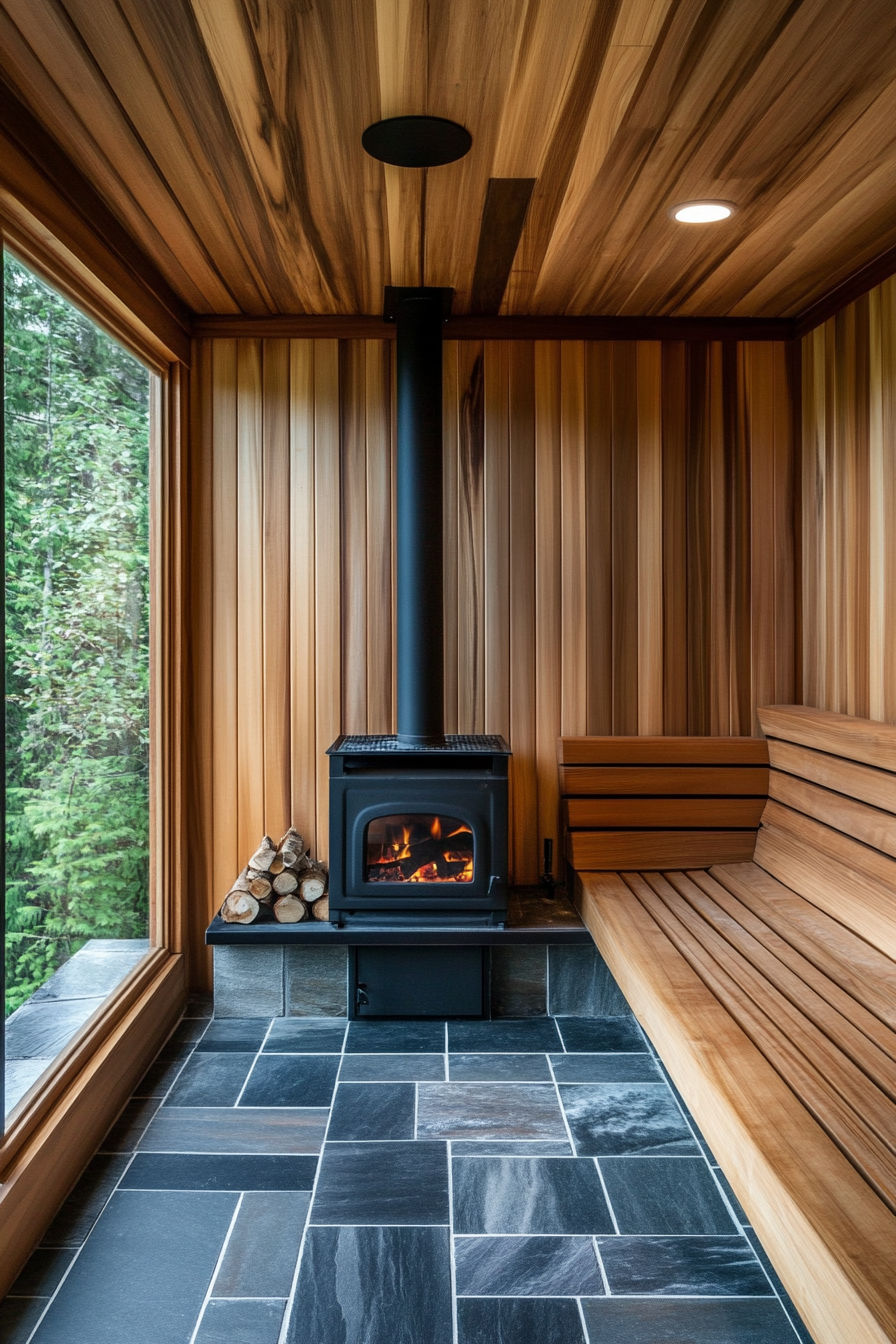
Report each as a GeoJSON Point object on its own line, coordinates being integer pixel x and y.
{"type": "Point", "coordinates": [762, 964]}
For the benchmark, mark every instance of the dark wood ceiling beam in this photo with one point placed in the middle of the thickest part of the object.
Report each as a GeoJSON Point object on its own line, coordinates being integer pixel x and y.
{"type": "Point", "coordinates": [490, 328]}
{"type": "Point", "coordinates": [506, 203]}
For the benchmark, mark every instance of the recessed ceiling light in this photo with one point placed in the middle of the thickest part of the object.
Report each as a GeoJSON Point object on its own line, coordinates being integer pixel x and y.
{"type": "Point", "coordinates": [702, 212]}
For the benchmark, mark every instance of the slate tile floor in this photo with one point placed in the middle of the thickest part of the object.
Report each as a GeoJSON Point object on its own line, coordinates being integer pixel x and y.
{"type": "Point", "coordinates": [309, 1182]}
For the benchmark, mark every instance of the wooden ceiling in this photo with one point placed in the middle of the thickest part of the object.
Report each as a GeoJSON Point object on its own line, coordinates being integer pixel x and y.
{"type": "Point", "coordinates": [225, 135]}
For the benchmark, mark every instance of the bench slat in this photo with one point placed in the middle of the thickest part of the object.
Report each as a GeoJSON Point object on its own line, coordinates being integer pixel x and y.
{"type": "Point", "coordinates": [864, 782]}
{"type": "Point", "coordinates": [595, 780]}
{"type": "Point", "coordinates": [828, 1234]}
{"type": "Point", "coordinates": [863, 740]}
{"type": "Point", "coordinates": [662, 751]}
{"type": "Point", "coordinates": [643, 812]}
{"type": "Point", "coordinates": [855, 1031]}
{"type": "Point", "coordinates": [871, 825]}
{"type": "Point", "coordinates": [614, 850]}
{"type": "Point", "coordinates": [826, 1082]}
{"type": "Point", "coordinates": [863, 973]}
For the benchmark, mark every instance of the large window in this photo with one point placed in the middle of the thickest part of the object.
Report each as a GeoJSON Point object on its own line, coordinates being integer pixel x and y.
{"type": "Point", "coordinates": [76, 439]}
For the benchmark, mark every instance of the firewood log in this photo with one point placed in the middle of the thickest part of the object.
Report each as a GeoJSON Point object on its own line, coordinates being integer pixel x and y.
{"type": "Point", "coordinates": [260, 888]}
{"type": "Point", "coordinates": [277, 864]}
{"type": "Point", "coordinates": [263, 857]}
{"type": "Point", "coordinates": [239, 908]}
{"type": "Point", "coordinates": [321, 908]}
{"type": "Point", "coordinates": [243, 881]}
{"type": "Point", "coordinates": [289, 910]}
{"type": "Point", "coordinates": [285, 883]}
{"type": "Point", "coordinates": [312, 885]}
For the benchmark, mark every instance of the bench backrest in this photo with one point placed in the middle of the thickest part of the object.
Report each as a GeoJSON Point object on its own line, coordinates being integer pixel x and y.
{"type": "Point", "coordinates": [661, 802]}
{"type": "Point", "coordinates": [829, 828]}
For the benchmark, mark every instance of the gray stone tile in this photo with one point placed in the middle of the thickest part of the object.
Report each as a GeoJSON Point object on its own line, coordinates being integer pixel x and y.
{"type": "Point", "coordinates": [211, 1080]}
{"type": "Point", "coordinates": [365, 1183]}
{"type": "Point", "coordinates": [518, 1320]}
{"type": "Point", "coordinates": [40, 1030]}
{"type": "Point", "coordinates": [618, 1119]}
{"type": "Point", "coordinates": [306, 1035]}
{"type": "Point", "coordinates": [518, 981]}
{"type": "Point", "coordinates": [373, 1111]}
{"type": "Point", "coordinates": [382, 1285]}
{"type": "Point", "coordinates": [235, 1034]}
{"type": "Point", "coordinates": [391, 1038]}
{"type": "Point", "coordinates": [19, 1316]}
{"type": "Point", "coordinates": [539, 1195]}
{"type": "Point", "coordinates": [499, 1068]}
{"type": "Point", "coordinates": [488, 1111]}
{"type": "Point", "coordinates": [95, 970]}
{"type": "Point", "coordinates": [218, 1129]}
{"type": "Point", "coordinates": [615, 1320]}
{"type": "Point", "coordinates": [739, 1211]}
{"type": "Point", "coordinates": [143, 1274]}
{"type": "Point", "coordinates": [392, 1068]}
{"type": "Point", "coordinates": [42, 1273]}
{"type": "Point", "coordinates": [316, 981]}
{"type": "Point", "coordinates": [128, 1129]}
{"type": "Point", "coordinates": [683, 1266]}
{"type": "Point", "coordinates": [796, 1321]}
{"type": "Point", "coordinates": [86, 1202]}
{"type": "Point", "coordinates": [599, 1035]}
{"type": "Point", "coordinates": [188, 1031]}
{"type": "Point", "coordinates": [200, 1005]}
{"type": "Point", "coordinates": [526, 1267]}
{"type": "Point", "coordinates": [510, 1148]}
{"type": "Point", "coordinates": [665, 1195]}
{"type": "Point", "coordinates": [532, 1036]}
{"type": "Point", "coordinates": [291, 1080]}
{"type": "Point", "coordinates": [160, 1076]}
{"type": "Point", "coordinates": [261, 1254]}
{"type": "Point", "coordinates": [256, 1322]}
{"type": "Point", "coordinates": [248, 981]}
{"type": "Point", "coordinates": [619, 1068]}
{"type": "Point", "coordinates": [581, 984]}
{"type": "Point", "coordinates": [20, 1074]}
{"type": "Point", "coordinates": [218, 1171]}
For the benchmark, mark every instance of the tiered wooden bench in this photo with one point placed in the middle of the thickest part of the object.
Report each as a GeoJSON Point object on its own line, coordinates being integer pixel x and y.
{"type": "Point", "coordinates": [769, 989]}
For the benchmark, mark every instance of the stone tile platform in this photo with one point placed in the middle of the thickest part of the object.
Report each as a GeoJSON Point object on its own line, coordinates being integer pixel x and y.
{"type": "Point", "coordinates": [543, 961]}
{"type": "Point", "coordinates": [44, 1024]}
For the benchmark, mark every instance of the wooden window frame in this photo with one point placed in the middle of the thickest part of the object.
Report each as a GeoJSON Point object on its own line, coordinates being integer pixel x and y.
{"type": "Point", "coordinates": [55, 1129]}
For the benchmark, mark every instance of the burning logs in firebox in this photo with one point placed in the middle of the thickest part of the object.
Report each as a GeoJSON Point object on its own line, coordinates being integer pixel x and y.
{"type": "Point", "coordinates": [279, 882]}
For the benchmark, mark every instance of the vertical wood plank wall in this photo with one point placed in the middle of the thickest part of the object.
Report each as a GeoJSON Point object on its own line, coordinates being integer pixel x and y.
{"type": "Point", "coordinates": [849, 509]}
{"type": "Point", "coordinates": [618, 531]}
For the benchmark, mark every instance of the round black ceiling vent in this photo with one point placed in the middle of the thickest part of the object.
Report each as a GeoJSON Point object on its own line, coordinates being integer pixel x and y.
{"type": "Point", "coordinates": [416, 142]}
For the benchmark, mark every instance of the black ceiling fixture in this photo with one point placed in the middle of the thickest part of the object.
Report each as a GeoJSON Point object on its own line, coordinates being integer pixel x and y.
{"type": "Point", "coordinates": [417, 142]}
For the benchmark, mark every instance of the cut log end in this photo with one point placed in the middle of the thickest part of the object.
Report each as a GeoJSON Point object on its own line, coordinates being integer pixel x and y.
{"type": "Point", "coordinates": [321, 909]}
{"type": "Point", "coordinates": [285, 883]}
{"type": "Point", "coordinates": [311, 886]}
{"type": "Point", "coordinates": [260, 888]}
{"type": "Point", "coordinates": [289, 910]}
{"type": "Point", "coordinates": [264, 855]}
{"type": "Point", "coordinates": [239, 908]}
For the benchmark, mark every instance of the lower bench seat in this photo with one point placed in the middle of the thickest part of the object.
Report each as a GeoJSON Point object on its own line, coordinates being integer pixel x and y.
{"type": "Point", "coordinates": [774, 1010]}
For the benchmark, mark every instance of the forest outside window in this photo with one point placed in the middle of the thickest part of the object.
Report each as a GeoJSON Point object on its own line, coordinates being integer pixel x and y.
{"type": "Point", "coordinates": [77, 823]}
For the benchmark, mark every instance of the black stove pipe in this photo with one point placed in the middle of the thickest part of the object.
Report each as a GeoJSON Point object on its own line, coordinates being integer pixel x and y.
{"type": "Point", "coordinates": [419, 315]}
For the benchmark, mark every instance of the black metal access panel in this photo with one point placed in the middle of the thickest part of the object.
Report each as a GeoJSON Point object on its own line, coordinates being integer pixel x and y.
{"type": "Point", "coordinates": [405, 981]}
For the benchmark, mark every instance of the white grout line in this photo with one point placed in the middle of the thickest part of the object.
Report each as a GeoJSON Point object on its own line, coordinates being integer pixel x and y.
{"type": "Point", "coordinates": [600, 1265]}
{"type": "Point", "coordinates": [603, 1187]}
{"type": "Point", "coordinates": [290, 1301]}
{"type": "Point", "coordinates": [562, 1111]}
{"type": "Point", "coordinates": [218, 1263]}
{"type": "Point", "coordinates": [453, 1264]}
{"type": "Point", "coordinates": [587, 1337]}
{"type": "Point", "coordinates": [416, 1104]}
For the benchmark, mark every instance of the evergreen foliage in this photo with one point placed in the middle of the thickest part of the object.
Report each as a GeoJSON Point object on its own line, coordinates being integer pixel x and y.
{"type": "Point", "coordinates": [77, 634]}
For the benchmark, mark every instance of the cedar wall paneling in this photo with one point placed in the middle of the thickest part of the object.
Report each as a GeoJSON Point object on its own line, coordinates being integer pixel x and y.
{"type": "Point", "coordinates": [618, 523]}
{"type": "Point", "coordinates": [849, 509]}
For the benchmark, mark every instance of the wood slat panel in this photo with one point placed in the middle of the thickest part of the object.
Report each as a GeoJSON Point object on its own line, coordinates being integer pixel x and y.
{"type": "Point", "coordinates": [828, 1234]}
{"type": "Point", "coordinates": [871, 825]}
{"type": "Point", "coordinates": [857, 739]}
{"type": "Point", "coordinates": [831, 843]}
{"type": "Point", "coordinates": [652, 812]}
{"type": "Point", "coordinates": [629, 850]}
{"type": "Point", "coordinates": [663, 780]}
{"type": "Point", "coordinates": [877, 787]}
{"type": "Point", "coordinates": [726, 751]}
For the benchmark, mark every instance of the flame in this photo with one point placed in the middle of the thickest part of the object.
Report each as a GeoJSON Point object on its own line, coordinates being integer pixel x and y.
{"type": "Point", "coordinates": [435, 829]}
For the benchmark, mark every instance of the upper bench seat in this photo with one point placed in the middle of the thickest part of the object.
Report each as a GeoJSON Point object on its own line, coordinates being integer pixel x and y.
{"type": "Point", "coordinates": [769, 989]}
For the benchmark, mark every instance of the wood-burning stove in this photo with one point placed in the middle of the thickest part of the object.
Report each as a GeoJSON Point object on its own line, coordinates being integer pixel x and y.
{"type": "Point", "coordinates": [418, 834]}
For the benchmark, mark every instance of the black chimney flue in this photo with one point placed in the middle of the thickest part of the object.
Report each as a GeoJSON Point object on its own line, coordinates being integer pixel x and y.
{"type": "Point", "coordinates": [419, 315]}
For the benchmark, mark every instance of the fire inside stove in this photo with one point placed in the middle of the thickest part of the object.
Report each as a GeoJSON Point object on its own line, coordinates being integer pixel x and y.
{"type": "Point", "coordinates": [419, 847]}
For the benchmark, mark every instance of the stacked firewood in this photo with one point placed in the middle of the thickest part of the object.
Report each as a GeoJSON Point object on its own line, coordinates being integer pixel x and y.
{"type": "Point", "coordinates": [279, 881]}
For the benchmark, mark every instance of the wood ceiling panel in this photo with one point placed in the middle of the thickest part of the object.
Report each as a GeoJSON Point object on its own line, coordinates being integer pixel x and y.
{"type": "Point", "coordinates": [225, 134]}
